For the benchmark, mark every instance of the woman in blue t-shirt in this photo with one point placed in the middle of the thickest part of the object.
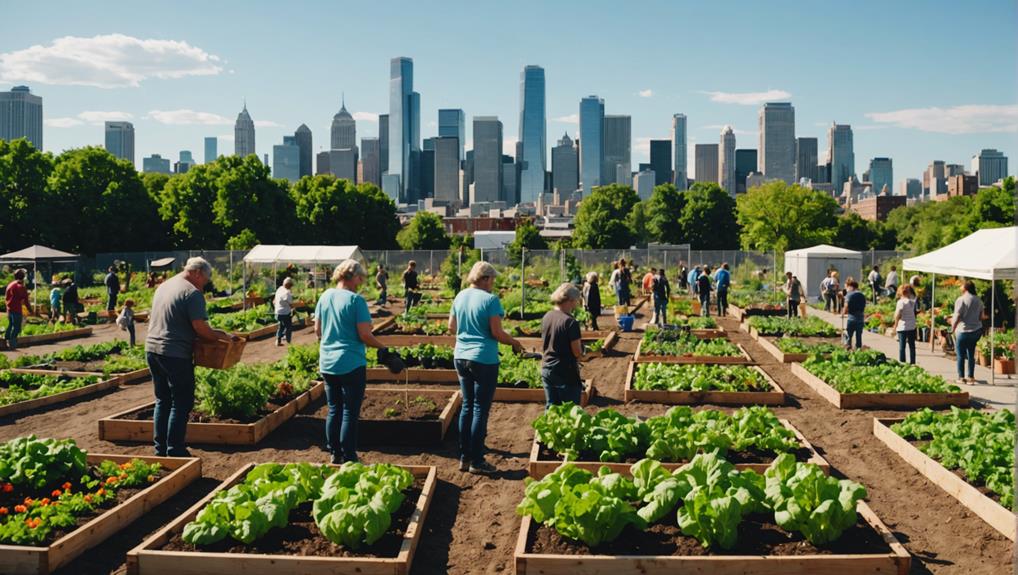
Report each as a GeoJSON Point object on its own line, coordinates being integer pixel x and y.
{"type": "Point", "coordinates": [476, 319]}
{"type": "Point", "coordinates": [343, 327]}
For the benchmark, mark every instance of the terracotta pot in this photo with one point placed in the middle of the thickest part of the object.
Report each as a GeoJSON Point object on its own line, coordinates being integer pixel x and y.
{"type": "Point", "coordinates": [1003, 366]}
{"type": "Point", "coordinates": [983, 360]}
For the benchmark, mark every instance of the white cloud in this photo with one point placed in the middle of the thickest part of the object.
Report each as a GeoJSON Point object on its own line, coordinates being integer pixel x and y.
{"type": "Point", "coordinates": [188, 117]}
{"type": "Point", "coordinates": [365, 116]}
{"type": "Point", "coordinates": [96, 118]}
{"type": "Point", "coordinates": [648, 93]}
{"type": "Point", "coordinates": [106, 61]}
{"type": "Point", "coordinates": [967, 119]}
{"type": "Point", "coordinates": [62, 122]}
{"type": "Point", "coordinates": [509, 146]}
{"type": "Point", "coordinates": [642, 145]}
{"type": "Point", "coordinates": [266, 124]}
{"type": "Point", "coordinates": [568, 119]}
{"type": "Point", "coordinates": [748, 98]}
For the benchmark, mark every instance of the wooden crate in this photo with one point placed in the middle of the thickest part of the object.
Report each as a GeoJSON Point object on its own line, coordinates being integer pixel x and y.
{"type": "Point", "coordinates": [218, 354]}
{"type": "Point", "coordinates": [17, 559]}
{"type": "Point", "coordinates": [115, 428]}
{"type": "Point", "coordinates": [404, 432]}
{"type": "Point", "coordinates": [148, 559]}
{"type": "Point", "coordinates": [538, 467]}
{"type": "Point", "coordinates": [897, 561]}
{"type": "Point", "coordinates": [999, 517]}
{"type": "Point", "coordinates": [774, 397]}
{"type": "Point", "coordinates": [878, 400]}
{"type": "Point", "coordinates": [32, 404]}
{"type": "Point", "coordinates": [27, 340]}
{"type": "Point", "coordinates": [742, 359]}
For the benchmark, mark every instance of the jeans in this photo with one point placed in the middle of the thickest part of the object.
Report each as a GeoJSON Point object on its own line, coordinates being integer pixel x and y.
{"type": "Point", "coordinates": [477, 384]}
{"type": "Point", "coordinates": [906, 337]}
{"type": "Point", "coordinates": [130, 332]}
{"type": "Point", "coordinates": [383, 296]}
{"type": "Point", "coordinates": [561, 385]}
{"type": "Point", "coordinates": [793, 308]}
{"type": "Point", "coordinates": [285, 327]}
{"type": "Point", "coordinates": [111, 301]}
{"type": "Point", "coordinates": [661, 310]}
{"type": "Point", "coordinates": [593, 319]}
{"type": "Point", "coordinates": [411, 299]}
{"type": "Point", "coordinates": [722, 301]}
{"type": "Point", "coordinates": [854, 325]}
{"type": "Point", "coordinates": [620, 296]}
{"type": "Point", "coordinates": [830, 302]}
{"type": "Point", "coordinates": [173, 379]}
{"type": "Point", "coordinates": [965, 348]}
{"type": "Point", "coordinates": [344, 393]}
{"type": "Point", "coordinates": [705, 304]}
{"type": "Point", "coordinates": [13, 329]}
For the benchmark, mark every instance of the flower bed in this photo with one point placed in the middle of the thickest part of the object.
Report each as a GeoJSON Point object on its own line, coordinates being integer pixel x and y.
{"type": "Point", "coordinates": [701, 384]}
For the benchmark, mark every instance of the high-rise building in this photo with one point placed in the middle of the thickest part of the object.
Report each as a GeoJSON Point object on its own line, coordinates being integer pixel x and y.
{"type": "Point", "coordinates": [806, 159]}
{"type": "Point", "coordinates": [303, 138]}
{"type": "Point", "coordinates": [618, 151]}
{"type": "Point", "coordinates": [286, 159]}
{"type": "Point", "coordinates": [344, 129]}
{"type": "Point", "coordinates": [777, 141]}
{"type": "Point", "coordinates": [467, 185]}
{"type": "Point", "coordinates": [487, 159]}
{"type": "Point", "coordinates": [211, 149]}
{"type": "Point", "coordinates": [370, 161]}
{"type": "Point", "coordinates": [447, 169]}
{"type": "Point", "coordinates": [935, 180]}
{"type": "Point", "coordinates": [155, 164]}
{"type": "Point", "coordinates": [532, 157]}
{"type": "Point", "coordinates": [644, 184]}
{"type": "Point", "coordinates": [841, 153]}
{"type": "Point", "coordinates": [745, 164]}
{"type": "Point", "coordinates": [322, 163]}
{"type": "Point", "coordinates": [427, 171]}
{"type": "Point", "coordinates": [184, 163]}
{"type": "Point", "coordinates": [510, 181]}
{"type": "Point", "coordinates": [911, 188]}
{"type": "Point", "coordinates": [404, 130]}
{"type": "Point", "coordinates": [452, 123]}
{"type": "Point", "coordinates": [881, 174]}
{"type": "Point", "coordinates": [679, 149]}
{"type": "Point", "coordinates": [343, 164]}
{"type": "Point", "coordinates": [591, 142]}
{"type": "Point", "coordinates": [989, 166]}
{"type": "Point", "coordinates": [383, 142]}
{"type": "Point", "coordinates": [244, 134]}
{"type": "Point", "coordinates": [706, 158]}
{"type": "Point", "coordinates": [565, 167]}
{"type": "Point", "coordinates": [661, 161]}
{"type": "Point", "coordinates": [726, 161]}
{"type": "Point", "coordinates": [120, 140]}
{"type": "Point", "coordinates": [21, 116]}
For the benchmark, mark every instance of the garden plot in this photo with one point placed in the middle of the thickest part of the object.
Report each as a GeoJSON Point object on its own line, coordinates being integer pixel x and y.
{"type": "Point", "coordinates": [791, 327]}
{"type": "Point", "coordinates": [107, 360]}
{"type": "Point", "coordinates": [698, 384]}
{"type": "Point", "coordinates": [33, 333]}
{"type": "Point", "coordinates": [22, 392]}
{"type": "Point", "coordinates": [788, 349]}
{"type": "Point", "coordinates": [403, 416]}
{"type": "Point", "coordinates": [681, 346]}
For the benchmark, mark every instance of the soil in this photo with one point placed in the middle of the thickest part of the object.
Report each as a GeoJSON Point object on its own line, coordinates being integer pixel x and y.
{"type": "Point", "coordinates": [375, 406]}
{"type": "Point", "coordinates": [744, 456]}
{"type": "Point", "coordinates": [196, 416]}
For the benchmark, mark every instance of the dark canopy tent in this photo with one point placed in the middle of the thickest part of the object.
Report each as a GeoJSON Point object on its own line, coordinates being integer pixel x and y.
{"type": "Point", "coordinates": [35, 255]}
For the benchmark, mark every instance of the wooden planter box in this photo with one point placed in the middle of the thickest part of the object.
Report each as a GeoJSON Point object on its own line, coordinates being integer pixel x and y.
{"type": "Point", "coordinates": [27, 340]}
{"type": "Point", "coordinates": [609, 344]}
{"type": "Point", "coordinates": [405, 432]}
{"type": "Point", "coordinates": [411, 340]}
{"type": "Point", "coordinates": [269, 330]}
{"type": "Point", "coordinates": [17, 559]}
{"type": "Point", "coordinates": [709, 333]}
{"type": "Point", "coordinates": [774, 397]}
{"type": "Point", "coordinates": [743, 359]}
{"type": "Point", "coordinates": [897, 561]}
{"type": "Point", "coordinates": [449, 377]}
{"type": "Point", "coordinates": [779, 355]}
{"type": "Point", "coordinates": [147, 559]}
{"type": "Point", "coordinates": [998, 516]}
{"type": "Point", "coordinates": [383, 325]}
{"type": "Point", "coordinates": [878, 400]}
{"type": "Point", "coordinates": [536, 395]}
{"type": "Point", "coordinates": [117, 428]}
{"type": "Point", "coordinates": [1003, 366]}
{"type": "Point", "coordinates": [538, 467]}
{"type": "Point", "coordinates": [33, 404]}
{"type": "Point", "coordinates": [123, 378]}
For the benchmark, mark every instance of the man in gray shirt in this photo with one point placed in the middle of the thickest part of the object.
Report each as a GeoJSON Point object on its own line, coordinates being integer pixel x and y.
{"type": "Point", "coordinates": [177, 317]}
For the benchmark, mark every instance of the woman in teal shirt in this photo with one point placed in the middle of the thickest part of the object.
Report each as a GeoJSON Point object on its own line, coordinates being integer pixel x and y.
{"type": "Point", "coordinates": [476, 319]}
{"type": "Point", "coordinates": [343, 327]}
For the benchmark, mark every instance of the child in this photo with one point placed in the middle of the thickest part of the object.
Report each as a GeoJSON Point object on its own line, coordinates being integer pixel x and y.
{"type": "Point", "coordinates": [55, 296]}
{"type": "Point", "coordinates": [126, 319]}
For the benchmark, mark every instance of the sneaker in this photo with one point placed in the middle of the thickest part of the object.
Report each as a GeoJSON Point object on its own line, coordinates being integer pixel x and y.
{"type": "Point", "coordinates": [482, 468]}
{"type": "Point", "coordinates": [336, 459]}
{"type": "Point", "coordinates": [464, 464]}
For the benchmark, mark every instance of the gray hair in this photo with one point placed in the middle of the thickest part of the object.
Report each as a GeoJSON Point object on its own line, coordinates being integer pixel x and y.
{"type": "Point", "coordinates": [347, 269]}
{"type": "Point", "coordinates": [197, 264]}
{"type": "Point", "coordinates": [591, 277]}
{"type": "Point", "coordinates": [481, 270]}
{"type": "Point", "coordinates": [287, 282]}
{"type": "Point", "coordinates": [565, 292]}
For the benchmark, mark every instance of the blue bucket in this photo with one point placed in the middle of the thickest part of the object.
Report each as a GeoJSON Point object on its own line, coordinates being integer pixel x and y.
{"type": "Point", "coordinates": [626, 322]}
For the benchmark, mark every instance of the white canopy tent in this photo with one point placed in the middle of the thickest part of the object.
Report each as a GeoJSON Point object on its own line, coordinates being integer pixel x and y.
{"type": "Point", "coordinates": [300, 255]}
{"type": "Point", "coordinates": [35, 255]}
{"type": "Point", "coordinates": [811, 264]}
{"type": "Point", "coordinates": [990, 254]}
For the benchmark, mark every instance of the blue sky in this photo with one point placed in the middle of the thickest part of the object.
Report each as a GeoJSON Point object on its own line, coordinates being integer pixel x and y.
{"type": "Point", "coordinates": [918, 80]}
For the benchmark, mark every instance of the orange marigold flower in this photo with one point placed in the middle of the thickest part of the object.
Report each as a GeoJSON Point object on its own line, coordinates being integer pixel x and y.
{"type": "Point", "coordinates": [101, 491]}
{"type": "Point", "coordinates": [8, 487]}
{"type": "Point", "coordinates": [122, 476]}
{"type": "Point", "coordinates": [56, 493]}
{"type": "Point", "coordinates": [111, 480]}
{"type": "Point", "coordinates": [3, 511]}
{"type": "Point", "coordinates": [20, 509]}
{"type": "Point", "coordinates": [44, 502]}
{"type": "Point", "coordinates": [67, 485]}
{"type": "Point", "coordinates": [28, 501]}
{"type": "Point", "coordinates": [88, 499]}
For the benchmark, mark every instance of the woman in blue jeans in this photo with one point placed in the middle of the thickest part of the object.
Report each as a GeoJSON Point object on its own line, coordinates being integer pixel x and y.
{"type": "Point", "coordinates": [561, 341]}
{"type": "Point", "coordinates": [967, 325]}
{"type": "Point", "coordinates": [476, 319]}
{"type": "Point", "coordinates": [343, 326]}
{"type": "Point", "coordinates": [855, 309]}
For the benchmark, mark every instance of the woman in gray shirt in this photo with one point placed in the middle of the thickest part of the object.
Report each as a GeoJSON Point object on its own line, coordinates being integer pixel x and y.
{"type": "Point", "coordinates": [967, 325]}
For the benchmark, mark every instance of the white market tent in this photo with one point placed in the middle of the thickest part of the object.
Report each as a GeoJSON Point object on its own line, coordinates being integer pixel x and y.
{"type": "Point", "coordinates": [495, 240]}
{"type": "Point", "coordinates": [811, 264]}
{"type": "Point", "coordinates": [35, 255]}
{"type": "Point", "coordinates": [305, 255]}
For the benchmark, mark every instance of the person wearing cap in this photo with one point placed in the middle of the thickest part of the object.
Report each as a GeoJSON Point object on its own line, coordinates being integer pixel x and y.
{"type": "Point", "coordinates": [562, 345]}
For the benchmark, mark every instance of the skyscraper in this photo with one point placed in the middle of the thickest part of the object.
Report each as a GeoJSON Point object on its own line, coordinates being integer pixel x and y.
{"type": "Point", "coordinates": [726, 161]}
{"type": "Point", "coordinates": [447, 169]}
{"type": "Point", "coordinates": [777, 141]}
{"type": "Point", "coordinates": [322, 163]}
{"type": "Point", "coordinates": [383, 142]}
{"type": "Point", "coordinates": [644, 183]}
{"type": "Point", "coordinates": [371, 161]}
{"type": "Point", "coordinates": [510, 181]}
{"type": "Point", "coordinates": [935, 179]}
{"type": "Point", "coordinates": [244, 134]}
{"type": "Point", "coordinates": [806, 159]}
{"type": "Point", "coordinates": [565, 167]}
{"type": "Point", "coordinates": [882, 174]}
{"type": "Point", "coordinates": [21, 116]}
{"type": "Point", "coordinates": [185, 160]}
{"type": "Point", "coordinates": [745, 164]}
{"type": "Point", "coordinates": [591, 142]}
{"type": "Point", "coordinates": [679, 150]}
{"type": "Point", "coordinates": [343, 164]}
{"type": "Point", "coordinates": [840, 151]}
{"type": "Point", "coordinates": [404, 129]}
{"type": "Point", "coordinates": [452, 123]}
{"type": "Point", "coordinates": [303, 138]}
{"type": "Point", "coordinates": [155, 164]}
{"type": "Point", "coordinates": [533, 155]}
{"type": "Point", "coordinates": [661, 161]}
{"type": "Point", "coordinates": [487, 159]}
{"type": "Point", "coordinates": [286, 159]}
{"type": "Point", "coordinates": [990, 165]}
{"type": "Point", "coordinates": [618, 152]}
{"type": "Point", "coordinates": [706, 157]}
{"type": "Point", "coordinates": [911, 188]}
{"type": "Point", "coordinates": [120, 140]}
{"type": "Point", "coordinates": [211, 149]}
{"type": "Point", "coordinates": [344, 129]}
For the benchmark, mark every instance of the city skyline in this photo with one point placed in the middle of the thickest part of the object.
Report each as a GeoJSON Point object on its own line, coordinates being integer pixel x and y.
{"type": "Point", "coordinates": [895, 115]}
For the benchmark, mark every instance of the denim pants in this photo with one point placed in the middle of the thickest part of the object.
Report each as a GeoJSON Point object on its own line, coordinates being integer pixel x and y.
{"type": "Point", "coordinates": [722, 301]}
{"type": "Point", "coordinates": [12, 330]}
{"type": "Point", "coordinates": [965, 348]}
{"type": "Point", "coordinates": [285, 327]}
{"type": "Point", "coordinates": [383, 296]}
{"type": "Point", "coordinates": [477, 384]}
{"type": "Point", "coordinates": [793, 307]}
{"type": "Point", "coordinates": [344, 393]}
{"type": "Point", "coordinates": [561, 385]}
{"type": "Point", "coordinates": [705, 304]}
{"type": "Point", "coordinates": [854, 326]}
{"type": "Point", "coordinates": [111, 301]}
{"type": "Point", "coordinates": [173, 379]}
{"type": "Point", "coordinates": [660, 310]}
{"type": "Point", "coordinates": [130, 332]}
{"type": "Point", "coordinates": [830, 302]}
{"type": "Point", "coordinates": [906, 337]}
{"type": "Point", "coordinates": [620, 296]}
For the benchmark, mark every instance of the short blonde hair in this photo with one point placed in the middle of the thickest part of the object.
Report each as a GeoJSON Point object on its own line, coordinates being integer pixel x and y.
{"type": "Point", "coordinates": [481, 270]}
{"type": "Point", "coordinates": [347, 269]}
{"type": "Point", "coordinates": [565, 292]}
{"type": "Point", "coordinates": [591, 277]}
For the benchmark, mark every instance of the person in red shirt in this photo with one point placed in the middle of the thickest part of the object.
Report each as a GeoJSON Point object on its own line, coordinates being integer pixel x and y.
{"type": "Point", "coordinates": [648, 283]}
{"type": "Point", "coordinates": [16, 298]}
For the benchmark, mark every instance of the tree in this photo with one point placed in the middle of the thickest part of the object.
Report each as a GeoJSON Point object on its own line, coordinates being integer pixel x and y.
{"type": "Point", "coordinates": [185, 205]}
{"type": "Point", "coordinates": [778, 216]}
{"type": "Point", "coordinates": [424, 232]}
{"type": "Point", "coordinates": [247, 198]}
{"type": "Point", "coordinates": [854, 233]}
{"type": "Point", "coordinates": [378, 221]}
{"type": "Point", "coordinates": [245, 240]}
{"type": "Point", "coordinates": [604, 216]}
{"type": "Point", "coordinates": [708, 218]}
{"type": "Point", "coordinates": [368, 216]}
{"type": "Point", "coordinates": [664, 208]}
{"type": "Point", "coordinates": [527, 236]}
{"type": "Point", "coordinates": [23, 199]}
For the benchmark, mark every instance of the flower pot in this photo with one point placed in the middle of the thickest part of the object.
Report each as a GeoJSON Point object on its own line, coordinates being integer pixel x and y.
{"type": "Point", "coordinates": [983, 359]}
{"type": "Point", "coordinates": [1003, 366]}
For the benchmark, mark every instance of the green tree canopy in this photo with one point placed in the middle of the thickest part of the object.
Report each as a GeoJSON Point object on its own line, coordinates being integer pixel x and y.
{"type": "Point", "coordinates": [664, 208]}
{"type": "Point", "coordinates": [778, 216]}
{"type": "Point", "coordinates": [334, 211]}
{"type": "Point", "coordinates": [527, 236]}
{"type": "Point", "coordinates": [605, 217]}
{"type": "Point", "coordinates": [424, 232]}
{"type": "Point", "coordinates": [23, 174]}
{"type": "Point", "coordinates": [708, 218]}
{"type": "Point", "coordinates": [926, 226]}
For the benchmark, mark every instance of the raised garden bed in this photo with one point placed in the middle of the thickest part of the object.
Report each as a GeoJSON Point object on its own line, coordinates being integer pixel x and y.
{"type": "Point", "coordinates": [383, 421]}
{"type": "Point", "coordinates": [742, 359]}
{"type": "Point", "coordinates": [40, 402]}
{"type": "Point", "coordinates": [123, 378]}
{"type": "Point", "coordinates": [877, 400]}
{"type": "Point", "coordinates": [741, 313]}
{"type": "Point", "coordinates": [27, 340]}
{"type": "Point", "coordinates": [774, 396]}
{"type": "Point", "coordinates": [270, 330]}
{"type": "Point", "coordinates": [770, 345]}
{"type": "Point", "coordinates": [128, 425]}
{"type": "Point", "coordinates": [503, 393]}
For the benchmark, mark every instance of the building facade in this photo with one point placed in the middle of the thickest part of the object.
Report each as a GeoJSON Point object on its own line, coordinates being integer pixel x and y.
{"type": "Point", "coordinates": [565, 167]}
{"type": "Point", "coordinates": [961, 185]}
{"type": "Point", "coordinates": [383, 142]}
{"type": "Point", "coordinates": [303, 138]}
{"type": "Point", "coordinates": [726, 161]}
{"type": "Point", "coordinates": [343, 164]}
{"type": "Point", "coordinates": [644, 183]}
{"type": "Point", "coordinates": [155, 164]}
{"type": "Point", "coordinates": [777, 141]}
{"type": "Point", "coordinates": [661, 161]}
{"type": "Point", "coordinates": [989, 166]}
{"type": "Point", "coordinates": [447, 170]}
{"type": "Point", "coordinates": [911, 188]}
{"type": "Point", "coordinates": [452, 123]}
{"type": "Point", "coordinates": [841, 153]}
{"type": "Point", "coordinates": [618, 152]}
{"type": "Point", "coordinates": [344, 130]}
{"type": "Point", "coordinates": [322, 163]}
{"type": "Point", "coordinates": [881, 175]}
{"type": "Point", "coordinates": [21, 116]}
{"type": "Point", "coordinates": [371, 166]}
{"type": "Point", "coordinates": [120, 140]}
{"type": "Point", "coordinates": [286, 159]}
{"type": "Point", "coordinates": [487, 159]}
{"type": "Point", "coordinates": [706, 157]}
{"type": "Point", "coordinates": [679, 151]}
{"type": "Point", "coordinates": [404, 131]}
{"type": "Point", "coordinates": [806, 159]}
{"type": "Point", "coordinates": [591, 142]}
{"type": "Point", "coordinates": [211, 149]}
{"type": "Point", "coordinates": [533, 143]}
{"type": "Point", "coordinates": [745, 164]}
{"type": "Point", "coordinates": [244, 134]}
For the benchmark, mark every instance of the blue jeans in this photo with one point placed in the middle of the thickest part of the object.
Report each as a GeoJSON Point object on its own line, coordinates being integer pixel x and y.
{"type": "Point", "coordinates": [130, 332]}
{"type": "Point", "coordinates": [477, 384]}
{"type": "Point", "coordinates": [173, 379]}
{"type": "Point", "coordinates": [855, 326]}
{"type": "Point", "coordinates": [722, 301]}
{"type": "Point", "coordinates": [906, 337]}
{"type": "Point", "coordinates": [285, 327]}
{"type": "Point", "coordinates": [620, 296]}
{"type": "Point", "coordinates": [705, 304]}
{"type": "Point", "coordinates": [965, 348]}
{"type": "Point", "coordinates": [111, 300]}
{"type": "Point", "coordinates": [344, 393]}
{"type": "Point", "coordinates": [560, 386]}
{"type": "Point", "coordinates": [383, 296]}
{"type": "Point", "coordinates": [661, 310]}
{"type": "Point", "coordinates": [12, 330]}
